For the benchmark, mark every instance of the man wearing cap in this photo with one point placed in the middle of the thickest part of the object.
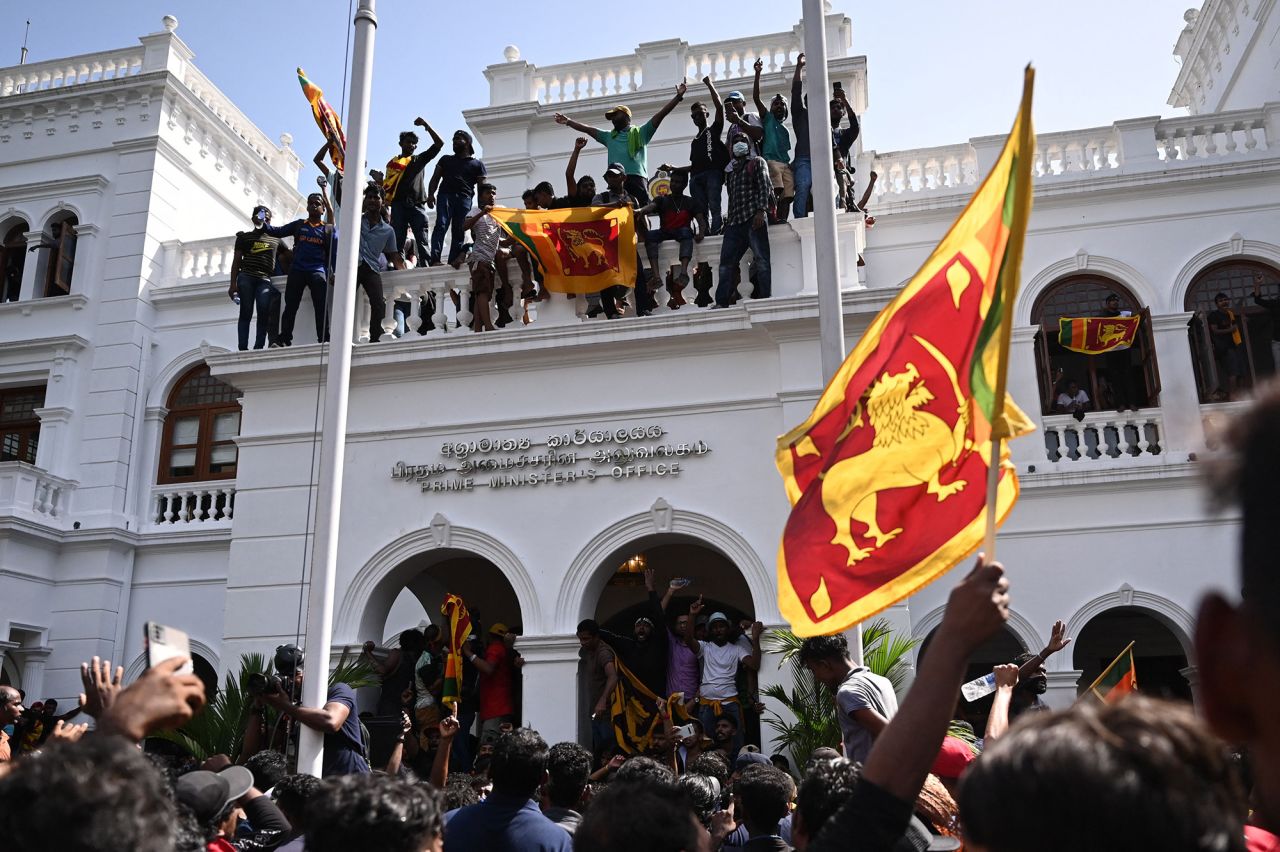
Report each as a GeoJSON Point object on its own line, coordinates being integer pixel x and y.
{"type": "Point", "coordinates": [777, 145]}
{"type": "Point", "coordinates": [497, 696]}
{"type": "Point", "coordinates": [344, 752]}
{"type": "Point", "coordinates": [613, 299]}
{"type": "Point", "coordinates": [720, 659]}
{"type": "Point", "coordinates": [218, 799]}
{"type": "Point", "coordinates": [645, 652]}
{"type": "Point", "coordinates": [746, 224]}
{"type": "Point", "coordinates": [626, 143]}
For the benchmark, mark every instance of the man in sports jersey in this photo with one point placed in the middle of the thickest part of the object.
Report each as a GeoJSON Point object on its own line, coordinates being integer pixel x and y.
{"type": "Point", "coordinates": [406, 191]}
{"type": "Point", "coordinates": [312, 250]}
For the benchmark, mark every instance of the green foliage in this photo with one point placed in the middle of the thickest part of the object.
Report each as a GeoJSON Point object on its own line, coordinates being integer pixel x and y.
{"type": "Point", "coordinates": [219, 729]}
{"type": "Point", "coordinates": [810, 704]}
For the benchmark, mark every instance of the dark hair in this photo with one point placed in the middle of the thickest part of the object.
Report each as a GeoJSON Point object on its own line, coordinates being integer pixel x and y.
{"type": "Point", "coordinates": [725, 717]}
{"type": "Point", "coordinates": [781, 761]}
{"type": "Point", "coordinates": [644, 770]}
{"type": "Point", "coordinates": [315, 195]}
{"type": "Point", "coordinates": [519, 762]}
{"type": "Point", "coordinates": [589, 627]}
{"type": "Point", "coordinates": [826, 786]}
{"type": "Point", "coordinates": [569, 768]}
{"type": "Point", "coordinates": [458, 792]}
{"type": "Point", "coordinates": [711, 763]}
{"type": "Point", "coordinates": [765, 792]}
{"type": "Point", "coordinates": [98, 793]}
{"type": "Point", "coordinates": [815, 648]}
{"type": "Point", "coordinates": [1247, 478]}
{"type": "Point", "coordinates": [1221, 295]}
{"type": "Point", "coordinates": [188, 833]}
{"type": "Point", "coordinates": [486, 187]}
{"type": "Point", "coordinates": [213, 826]}
{"type": "Point", "coordinates": [631, 817]}
{"type": "Point", "coordinates": [410, 136]}
{"type": "Point", "coordinates": [372, 812]}
{"type": "Point", "coordinates": [704, 795]}
{"type": "Point", "coordinates": [291, 795]}
{"type": "Point", "coordinates": [268, 767]}
{"type": "Point", "coordinates": [526, 195]}
{"type": "Point", "coordinates": [1146, 771]}
{"type": "Point", "coordinates": [545, 186]}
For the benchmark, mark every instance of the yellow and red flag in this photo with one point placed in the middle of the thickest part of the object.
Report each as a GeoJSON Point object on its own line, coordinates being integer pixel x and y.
{"type": "Point", "coordinates": [577, 249]}
{"type": "Point", "coordinates": [326, 119]}
{"type": "Point", "coordinates": [1096, 335]}
{"type": "Point", "coordinates": [1117, 680]}
{"type": "Point", "coordinates": [459, 628]}
{"type": "Point", "coordinates": [886, 477]}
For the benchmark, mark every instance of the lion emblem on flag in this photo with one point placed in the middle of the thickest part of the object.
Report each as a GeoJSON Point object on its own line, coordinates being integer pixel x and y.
{"type": "Point", "coordinates": [587, 247]}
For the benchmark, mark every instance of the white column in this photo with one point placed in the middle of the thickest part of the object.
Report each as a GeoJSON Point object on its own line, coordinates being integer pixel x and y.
{"type": "Point", "coordinates": [551, 700]}
{"type": "Point", "coordinates": [33, 661]}
{"type": "Point", "coordinates": [1063, 686]}
{"type": "Point", "coordinates": [53, 425]}
{"type": "Point", "coordinates": [1179, 400]}
{"type": "Point", "coordinates": [28, 289]}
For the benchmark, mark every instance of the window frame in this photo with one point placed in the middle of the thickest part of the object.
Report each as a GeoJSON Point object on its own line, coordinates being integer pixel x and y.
{"type": "Point", "coordinates": [62, 246]}
{"type": "Point", "coordinates": [206, 414]}
{"type": "Point", "coordinates": [28, 431]}
{"type": "Point", "coordinates": [13, 246]}
{"type": "Point", "coordinates": [1255, 321]}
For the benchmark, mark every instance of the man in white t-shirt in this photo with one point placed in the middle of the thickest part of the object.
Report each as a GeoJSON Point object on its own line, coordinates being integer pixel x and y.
{"type": "Point", "coordinates": [719, 659]}
{"type": "Point", "coordinates": [1073, 399]}
{"type": "Point", "coordinates": [865, 701]}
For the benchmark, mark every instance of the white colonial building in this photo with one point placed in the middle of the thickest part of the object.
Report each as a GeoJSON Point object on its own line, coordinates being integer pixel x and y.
{"type": "Point", "coordinates": [151, 472]}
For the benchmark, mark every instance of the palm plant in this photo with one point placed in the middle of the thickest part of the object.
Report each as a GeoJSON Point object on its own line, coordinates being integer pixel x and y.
{"type": "Point", "coordinates": [219, 729]}
{"type": "Point", "coordinates": [811, 704]}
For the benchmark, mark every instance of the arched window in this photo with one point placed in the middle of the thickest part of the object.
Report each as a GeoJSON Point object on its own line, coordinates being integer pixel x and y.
{"type": "Point", "coordinates": [13, 259]}
{"type": "Point", "coordinates": [60, 261]}
{"type": "Point", "coordinates": [1116, 380]}
{"type": "Point", "coordinates": [19, 425]}
{"type": "Point", "coordinates": [1221, 372]}
{"type": "Point", "coordinates": [200, 429]}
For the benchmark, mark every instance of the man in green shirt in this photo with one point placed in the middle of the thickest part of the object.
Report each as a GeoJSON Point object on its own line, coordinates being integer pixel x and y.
{"type": "Point", "coordinates": [777, 146]}
{"type": "Point", "coordinates": [626, 142]}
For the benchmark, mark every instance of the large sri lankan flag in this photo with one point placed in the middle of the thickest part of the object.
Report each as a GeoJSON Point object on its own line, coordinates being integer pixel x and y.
{"type": "Point", "coordinates": [326, 119]}
{"type": "Point", "coordinates": [577, 249]}
{"type": "Point", "coordinates": [887, 477]}
{"type": "Point", "coordinates": [459, 628]}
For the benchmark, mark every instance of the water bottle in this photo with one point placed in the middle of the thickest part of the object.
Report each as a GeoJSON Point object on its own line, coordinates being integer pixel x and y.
{"type": "Point", "coordinates": [975, 689]}
{"type": "Point", "coordinates": [236, 298]}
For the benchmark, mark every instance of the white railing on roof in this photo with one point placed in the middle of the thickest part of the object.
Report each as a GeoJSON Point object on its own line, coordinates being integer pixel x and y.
{"type": "Point", "coordinates": [577, 81]}
{"type": "Point", "coordinates": [231, 116]}
{"type": "Point", "coordinates": [951, 167]}
{"type": "Point", "coordinates": [731, 60]}
{"type": "Point", "coordinates": [71, 71]}
{"type": "Point", "coordinates": [204, 259]}
{"type": "Point", "coordinates": [1076, 152]}
{"type": "Point", "coordinates": [1204, 137]}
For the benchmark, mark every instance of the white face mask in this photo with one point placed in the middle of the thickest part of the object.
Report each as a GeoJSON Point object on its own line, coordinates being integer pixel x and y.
{"type": "Point", "coordinates": [740, 149]}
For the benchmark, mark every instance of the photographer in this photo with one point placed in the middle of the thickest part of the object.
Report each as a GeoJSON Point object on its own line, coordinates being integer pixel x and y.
{"type": "Point", "coordinates": [337, 719]}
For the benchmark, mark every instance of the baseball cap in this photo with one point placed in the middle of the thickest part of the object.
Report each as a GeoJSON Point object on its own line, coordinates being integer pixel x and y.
{"type": "Point", "coordinates": [953, 758]}
{"type": "Point", "coordinates": [615, 168]}
{"type": "Point", "coordinates": [747, 758]}
{"type": "Point", "coordinates": [288, 659]}
{"type": "Point", "coordinates": [644, 619]}
{"type": "Point", "coordinates": [499, 629]}
{"type": "Point", "coordinates": [717, 616]}
{"type": "Point", "coordinates": [620, 108]}
{"type": "Point", "coordinates": [207, 793]}
{"type": "Point", "coordinates": [735, 96]}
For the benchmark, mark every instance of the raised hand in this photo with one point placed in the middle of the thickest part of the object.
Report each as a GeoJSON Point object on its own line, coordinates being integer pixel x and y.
{"type": "Point", "coordinates": [561, 118]}
{"type": "Point", "coordinates": [1058, 639]}
{"type": "Point", "coordinates": [707, 80]}
{"type": "Point", "coordinates": [616, 762]}
{"type": "Point", "coordinates": [681, 88]}
{"type": "Point", "coordinates": [648, 579]}
{"type": "Point", "coordinates": [160, 700]}
{"type": "Point", "coordinates": [978, 606]}
{"type": "Point", "coordinates": [68, 732]}
{"type": "Point", "coordinates": [100, 688]}
{"type": "Point", "coordinates": [695, 607]}
{"type": "Point", "coordinates": [758, 66]}
{"type": "Point", "coordinates": [1006, 675]}
{"type": "Point", "coordinates": [449, 728]}
{"type": "Point", "coordinates": [579, 143]}
{"type": "Point", "coordinates": [756, 629]}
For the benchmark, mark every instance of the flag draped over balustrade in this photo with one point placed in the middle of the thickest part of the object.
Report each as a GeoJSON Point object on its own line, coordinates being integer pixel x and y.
{"type": "Point", "coordinates": [886, 477]}
{"type": "Point", "coordinates": [576, 249]}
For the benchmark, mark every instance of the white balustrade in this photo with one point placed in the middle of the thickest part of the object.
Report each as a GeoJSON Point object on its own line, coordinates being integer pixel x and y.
{"type": "Point", "coordinates": [30, 492]}
{"type": "Point", "coordinates": [1235, 134]}
{"type": "Point", "coordinates": [205, 259]}
{"type": "Point", "coordinates": [72, 71]}
{"type": "Point", "coordinates": [1104, 437]}
{"type": "Point", "coordinates": [197, 503]}
{"type": "Point", "coordinates": [1074, 153]}
{"type": "Point", "coordinates": [951, 168]}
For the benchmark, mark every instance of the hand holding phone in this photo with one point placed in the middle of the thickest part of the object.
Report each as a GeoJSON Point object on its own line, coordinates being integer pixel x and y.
{"type": "Point", "coordinates": [164, 643]}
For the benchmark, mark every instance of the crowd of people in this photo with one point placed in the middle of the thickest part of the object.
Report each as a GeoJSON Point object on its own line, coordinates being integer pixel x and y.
{"type": "Point", "coordinates": [1139, 773]}
{"type": "Point", "coordinates": [762, 166]}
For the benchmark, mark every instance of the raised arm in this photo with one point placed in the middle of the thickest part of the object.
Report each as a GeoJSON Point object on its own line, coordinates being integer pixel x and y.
{"type": "Point", "coordinates": [564, 120]}
{"type": "Point", "coordinates": [717, 123]}
{"type": "Point", "coordinates": [1058, 639]}
{"type": "Point", "coordinates": [318, 159]}
{"type": "Point", "coordinates": [755, 90]}
{"type": "Point", "coordinates": [571, 170]}
{"type": "Point", "coordinates": [998, 720]}
{"type": "Point", "coordinates": [681, 88]}
{"type": "Point", "coordinates": [753, 662]}
{"type": "Point", "coordinates": [689, 638]}
{"type": "Point", "coordinates": [866, 193]}
{"type": "Point", "coordinates": [449, 728]}
{"type": "Point", "coordinates": [437, 144]}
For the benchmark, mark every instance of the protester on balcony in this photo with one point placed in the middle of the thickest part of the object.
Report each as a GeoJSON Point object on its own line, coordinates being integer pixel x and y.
{"type": "Point", "coordinates": [252, 265]}
{"type": "Point", "coordinates": [377, 244]}
{"type": "Point", "coordinates": [453, 184]}
{"type": "Point", "coordinates": [677, 215]}
{"type": "Point", "coordinates": [741, 127]}
{"type": "Point", "coordinates": [579, 190]}
{"type": "Point", "coordinates": [1228, 346]}
{"type": "Point", "coordinates": [601, 678]}
{"type": "Point", "coordinates": [613, 299]}
{"type": "Point", "coordinates": [746, 225]}
{"type": "Point", "coordinates": [1272, 307]}
{"type": "Point", "coordinates": [1073, 400]}
{"type": "Point", "coordinates": [626, 143]}
{"type": "Point", "coordinates": [707, 158]}
{"type": "Point", "coordinates": [802, 164]}
{"type": "Point", "coordinates": [485, 233]}
{"type": "Point", "coordinates": [865, 701]}
{"type": "Point", "coordinates": [406, 191]}
{"type": "Point", "coordinates": [497, 688]}
{"type": "Point", "coordinates": [777, 145]}
{"type": "Point", "coordinates": [312, 252]}
{"type": "Point", "coordinates": [1119, 363]}
{"type": "Point", "coordinates": [842, 139]}
{"type": "Point", "coordinates": [720, 660]}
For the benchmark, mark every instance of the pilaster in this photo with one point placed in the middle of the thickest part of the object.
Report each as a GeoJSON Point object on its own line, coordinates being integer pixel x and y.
{"type": "Point", "coordinates": [551, 687]}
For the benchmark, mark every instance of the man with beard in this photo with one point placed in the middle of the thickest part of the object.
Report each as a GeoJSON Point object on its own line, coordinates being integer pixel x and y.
{"type": "Point", "coordinates": [720, 659]}
{"type": "Point", "coordinates": [1033, 681]}
{"type": "Point", "coordinates": [645, 654]}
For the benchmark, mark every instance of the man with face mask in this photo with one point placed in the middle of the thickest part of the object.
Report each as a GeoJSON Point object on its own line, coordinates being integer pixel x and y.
{"type": "Point", "coordinates": [746, 223]}
{"type": "Point", "coordinates": [720, 658]}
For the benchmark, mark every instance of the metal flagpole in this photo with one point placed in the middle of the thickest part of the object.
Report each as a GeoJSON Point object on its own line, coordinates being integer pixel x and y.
{"type": "Point", "coordinates": [822, 162]}
{"type": "Point", "coordinates": [324, 555]}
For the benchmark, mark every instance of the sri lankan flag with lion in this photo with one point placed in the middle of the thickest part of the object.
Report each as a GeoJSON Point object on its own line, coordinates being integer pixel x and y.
{"type": "Point", "coordinates": [886, 478]}
{"type": "Point", "coordinates": [577, 249]}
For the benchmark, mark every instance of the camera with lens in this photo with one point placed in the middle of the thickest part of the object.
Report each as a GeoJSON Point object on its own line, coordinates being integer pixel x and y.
{"type": "Point", "coordinates": [265, 684]}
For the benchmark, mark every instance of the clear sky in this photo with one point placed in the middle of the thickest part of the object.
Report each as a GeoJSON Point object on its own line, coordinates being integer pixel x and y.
{"type": "Point", "coordinates": [938, 72]}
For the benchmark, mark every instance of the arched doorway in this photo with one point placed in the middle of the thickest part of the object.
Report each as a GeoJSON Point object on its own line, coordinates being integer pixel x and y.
{"type": "Point", "coordinates": [1159, 655]}
{"type": "Point", "coordinates": [1209, 351]}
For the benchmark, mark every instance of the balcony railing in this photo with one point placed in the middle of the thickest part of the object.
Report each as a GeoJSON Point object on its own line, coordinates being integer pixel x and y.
{"type": "Point", "coordinates": [28, 492]}
{"type": "Point", "coordinates": [195, 504]}
{"type": "Point", "coordinates": [1103, 437]}
{"type": "Point", "coordinates": [72, 71]}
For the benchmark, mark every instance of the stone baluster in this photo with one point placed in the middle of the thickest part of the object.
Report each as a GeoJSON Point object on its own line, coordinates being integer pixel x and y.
{"type": "Point", "coordinates": [1081, 451]}
{"type": "Point", "coordinates": [1229, 131]}
{"type": "Point", "coordinates": [230, 505]}
{"type": "Point", "coordinates": [363, 315]}
{"type": "Point", "coordinates": [170, 507]}
{"type": "Point", "coordinates": [1250, 135]}
{"type": "Point", "coordinates": [1144, 443]}
{"type": "Point", "coordinates": [184, 504]}
{"type": "Point", "coordinates": [1211, 140]}
{"type": "Point", "coordinates": [198, 511]}
{"type": "Point", "coordinates": [440, 289]}
{"type": "Point", "coordinates": [1189, 137]}
{"type": "Point", "coordinates": [463, 286]}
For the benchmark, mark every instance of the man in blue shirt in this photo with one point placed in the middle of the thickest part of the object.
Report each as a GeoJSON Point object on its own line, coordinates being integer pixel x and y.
{"type": "Point", "coordinates": [509, 819]}
{"type": "Point", "coordinates": [377, 240]}
{"type": "Point", "coordinates": [312, 249]}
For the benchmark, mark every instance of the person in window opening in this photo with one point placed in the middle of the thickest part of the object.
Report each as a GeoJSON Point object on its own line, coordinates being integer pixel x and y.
{"type": "Point", "coordinates": [1272, 307]}
{"type": "Point", "coordinates": [406, 194]}
{"type": "Point", "coordinates": [1228, 347]}
{"type": "Point", "coordinates": [1073, 400]}
{"type": "Point", "coordinates": [252, 264]}
{"type": "Point", "coordinates": [1119, 363]}
{"type": "Point", "coordinates": [344, 752]}
{"type": "Point", "coordinates": [750, 199]}
{"type": "Point", "coordinates": [627, 143]}
{"type": "Point", "coordinates": [312, 252]}
{"type": "Point", "coordinates": [777, 146]}
{"type": "Point", "coordinates": [377, 243]}
{"type": "Point", "coordinates": [497, 683]}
